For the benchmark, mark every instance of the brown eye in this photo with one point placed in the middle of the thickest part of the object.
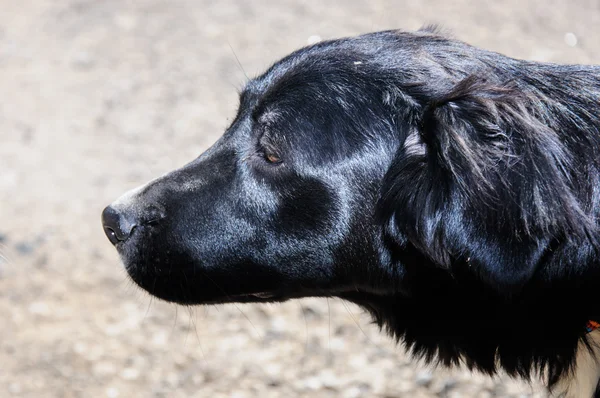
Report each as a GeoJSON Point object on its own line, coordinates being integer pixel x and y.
{"type": "Point", "coordinates": [272, 158]}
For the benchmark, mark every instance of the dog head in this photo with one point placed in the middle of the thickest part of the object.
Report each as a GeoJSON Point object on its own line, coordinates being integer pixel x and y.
{"type": "Point", "coordinates": [282, 205]}
{"type": "Point", "coordinates": [351, 167]}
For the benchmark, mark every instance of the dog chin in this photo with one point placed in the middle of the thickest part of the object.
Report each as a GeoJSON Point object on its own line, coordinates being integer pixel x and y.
{"type": "Point", "coordinates": [189, 288]}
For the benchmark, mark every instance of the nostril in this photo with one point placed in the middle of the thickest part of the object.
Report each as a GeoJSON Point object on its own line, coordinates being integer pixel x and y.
{"type": "Point", "coordinates": [111, 235]}
{"type": "Point", "coordinates": [118, 225]}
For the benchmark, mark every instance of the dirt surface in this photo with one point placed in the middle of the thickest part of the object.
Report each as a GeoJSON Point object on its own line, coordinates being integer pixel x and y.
{"type": "Point", "coordinates": [99, 97]}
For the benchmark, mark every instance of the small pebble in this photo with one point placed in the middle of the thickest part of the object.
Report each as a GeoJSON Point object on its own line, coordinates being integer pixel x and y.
{"type": "Point", "coordinates": [39, 308]}
{"type": "Point", "coordinates": [82, 60]}
{"type": "Point", "coordinates": [448, 385]}
{"type": "Point", "coordinates": [329, 379]}
{"type": "Point", "coordinates": [352, 392]}
{"type": "Point", "coordinates": [130, 374]}
{"type": "Point", "coordinates": [126, 22]}
{"type": "Point", "coordinates": [160, 338]}
{"type": "Point", "coordinates": [424, 379]}
{"type": "Point", "coordinates": [172, 379]}
{"type": "Point", "coordinates": [104, 368]}
{"type": "Point", "coordinates": [80, 347]}
{"type": "Point", "coordinates": [14, 388]}
{"type": "Point", "coordinates": [278, 324]}
{"type": "Point", "coordinates": [313, 383]}
{"type": "Point", "coordinates": [25, 248]}
{"type": "Point", "coordinates": [570, 39]}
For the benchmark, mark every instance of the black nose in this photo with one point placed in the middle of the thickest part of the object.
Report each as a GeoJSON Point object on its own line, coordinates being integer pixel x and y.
{"type": "Point", "coordinates": [118, 225]}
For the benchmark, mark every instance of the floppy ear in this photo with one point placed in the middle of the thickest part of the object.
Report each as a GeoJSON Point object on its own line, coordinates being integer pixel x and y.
{"type": "Point", "coordinates": [483, 184]}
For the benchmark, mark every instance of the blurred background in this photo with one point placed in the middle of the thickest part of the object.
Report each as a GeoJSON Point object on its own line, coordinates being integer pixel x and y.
{"type": "Point", "coordinates": [99, 96]}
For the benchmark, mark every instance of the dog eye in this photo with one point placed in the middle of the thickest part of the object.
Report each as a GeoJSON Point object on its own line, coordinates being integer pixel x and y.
{"type": "Point", "coordinates": [268, 150]}
{"type": "Point", "coordinates": [272, 158]}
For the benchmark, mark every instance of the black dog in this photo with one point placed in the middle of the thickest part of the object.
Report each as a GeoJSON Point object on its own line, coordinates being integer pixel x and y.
{"type": "Point", "coordinates": [451, 191]}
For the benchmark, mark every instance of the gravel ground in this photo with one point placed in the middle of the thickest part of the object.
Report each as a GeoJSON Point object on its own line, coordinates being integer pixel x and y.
{"type": "Point", "coordinates": [99, 97]}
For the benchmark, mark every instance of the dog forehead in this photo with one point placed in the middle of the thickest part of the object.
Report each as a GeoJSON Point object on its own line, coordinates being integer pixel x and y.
{"type": "Point", "coordinates": [306, 85]}
{"type": "Point", "coordinates": [325, 57]}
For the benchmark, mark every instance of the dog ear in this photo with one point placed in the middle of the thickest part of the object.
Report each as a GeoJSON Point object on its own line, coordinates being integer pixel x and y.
{"type": "Point", "coordinates": [483, 184]}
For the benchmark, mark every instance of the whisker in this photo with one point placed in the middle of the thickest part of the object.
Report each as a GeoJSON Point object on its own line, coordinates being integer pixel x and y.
{"type": "Point", "coordinates": [360, 327]}
{"type": "Point", "coordinates": [196, 332]}
{"type": "Point", "coordinates": [4, 255]}
{"type": "Point", "coordinates": [4, 259]}
{"type": "Point", "coordinates": [149, 305]}
{"type": "Point", "coordinates": [189, 325]}
{"type": "Point", "coordinates": [127, 284]}
{"type": "Point", "coordinates": [238, 61]}
{"type": "Point", "coordinates": [185, 296]}
{"type": "Point", "coordinates": [248, 319]}
{"type": "Point", "coordinates": [329, 313]}
{"type": "Point", "coordinates": [234, 304]}
{"type": "Point", "coordinates": [175, 321]}
{"type": "Point", "coordinates": [305, 326]}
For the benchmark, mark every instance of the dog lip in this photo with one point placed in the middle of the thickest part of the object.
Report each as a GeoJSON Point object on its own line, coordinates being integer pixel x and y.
{"type": "Point", "coordinates": [263, 295]}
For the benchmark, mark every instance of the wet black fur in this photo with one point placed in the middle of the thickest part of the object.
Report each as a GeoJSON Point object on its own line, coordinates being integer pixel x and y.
{"type": "Point", "coordinates": [451, 191]}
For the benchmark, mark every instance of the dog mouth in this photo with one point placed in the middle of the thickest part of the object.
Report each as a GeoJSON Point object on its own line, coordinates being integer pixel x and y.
{"type": "Point", "coordinates": [179, 279]}
{"type": "Point", "coordinates": [199, 290]}
{"type": "Point", "coordinates": [260, 296]}
{"type": "Point", "coordinates": [263, 295]}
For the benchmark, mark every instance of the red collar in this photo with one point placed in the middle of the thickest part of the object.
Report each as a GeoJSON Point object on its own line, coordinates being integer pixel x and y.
{"type": "Point", "coordinates": [591, 326]}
